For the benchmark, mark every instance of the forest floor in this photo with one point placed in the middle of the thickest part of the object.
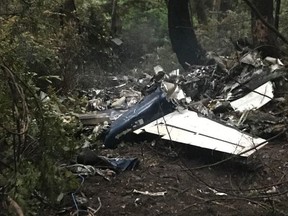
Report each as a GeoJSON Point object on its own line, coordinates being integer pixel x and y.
{"type": "Point", "coordinates": [250, 187]}
{"type": "Point", "coordinates": [193, 181]}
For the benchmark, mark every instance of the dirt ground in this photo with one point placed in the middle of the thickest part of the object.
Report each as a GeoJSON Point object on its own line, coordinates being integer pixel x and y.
{"type": "Point", "coordinates": [192, 184]}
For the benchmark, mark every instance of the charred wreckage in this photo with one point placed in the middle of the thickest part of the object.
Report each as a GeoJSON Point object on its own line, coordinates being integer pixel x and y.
{"type": "Point", "coordinates": [233, 106]}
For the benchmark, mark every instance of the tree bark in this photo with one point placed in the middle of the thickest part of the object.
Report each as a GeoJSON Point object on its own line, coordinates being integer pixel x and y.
{"type": "Point", "coordinates": [182, 35]}
{"type": "Point", "coordinates": [201, 12]}
{"type": "Point", "coordinates": [68, 9]}
{"type": "Point", "coordinates": [277, 13]}
{"type": "Point", "coordinates": [262, 35]}
{"type": "Point", "coordinates": [115, 20]}
{"type": "Point", "coordinates": [226, 5]}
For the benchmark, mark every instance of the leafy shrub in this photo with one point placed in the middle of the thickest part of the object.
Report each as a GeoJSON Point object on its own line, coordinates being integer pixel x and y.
{"type": "Point", "coordinates": [36, 138]}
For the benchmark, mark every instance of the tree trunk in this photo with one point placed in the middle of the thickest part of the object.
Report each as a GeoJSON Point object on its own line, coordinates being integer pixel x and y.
{"type": "Point", "coordinates": [182, 35]}
{"type": "Point", "coordinates": [68, 9]}
{"type": "Point", "coordinates": [116, 26]}
{"type": "Point", "coordinates": [277, 13]}
{"type": "Point", "coordinates": [262, 35]}
{"type": "Point", "coordinates": [226, 5]}
{"type": "Point", "coordinates": [201, 11]}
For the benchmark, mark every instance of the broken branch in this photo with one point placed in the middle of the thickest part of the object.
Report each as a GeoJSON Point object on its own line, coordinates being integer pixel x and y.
{"type": "Point", "coordinates": [16, 206]}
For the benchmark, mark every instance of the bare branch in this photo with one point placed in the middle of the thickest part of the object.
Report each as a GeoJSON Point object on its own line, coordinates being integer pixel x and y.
{"type": "Point", "coordinates": [16, 206]}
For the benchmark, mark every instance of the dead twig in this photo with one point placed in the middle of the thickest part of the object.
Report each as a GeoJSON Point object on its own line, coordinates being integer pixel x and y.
{"type": "Point", "coordinates": [40, 118]}
{"type": "Point", "coordinates": [92, 211]}
{"type": "Point", "coordinates": [214, 202]}
{"type": "Point", "coordinates": [99, 207]}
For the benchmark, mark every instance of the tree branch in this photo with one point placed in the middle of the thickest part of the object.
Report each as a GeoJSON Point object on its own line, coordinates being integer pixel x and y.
{"type": "Point", "coordinates": [268, 25]}
{"type": "Point", "coordinates": [16, 206]}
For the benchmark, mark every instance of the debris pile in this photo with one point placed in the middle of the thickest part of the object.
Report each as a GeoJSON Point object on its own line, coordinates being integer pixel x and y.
{"type": "Point", "coordinates": [222, 107]}
{"type": "Point", "coordinates": [233, 106]}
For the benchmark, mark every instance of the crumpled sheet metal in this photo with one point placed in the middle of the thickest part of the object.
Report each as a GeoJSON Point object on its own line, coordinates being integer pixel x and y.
{"type": "Point", "coordinates": [89, 157]}
{"type": "Point", "coordinates": [189, 128]}
{"type": "Point", "coordinates": [255, 99]}
{"type": "Point", "coordinates": [100, 116]}
{"type": "Point", "coordinates": [235, 90]}
{"type": "Point", "coordinates": [149, 109]}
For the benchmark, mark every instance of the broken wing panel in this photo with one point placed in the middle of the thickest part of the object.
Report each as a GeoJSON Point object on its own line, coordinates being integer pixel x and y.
{"type": "Point", "coordinates": [188, 128]}
{"type": "Point", "coordinates": [150, 108]}
{"type": "Point", "coordinates": [254, 100]}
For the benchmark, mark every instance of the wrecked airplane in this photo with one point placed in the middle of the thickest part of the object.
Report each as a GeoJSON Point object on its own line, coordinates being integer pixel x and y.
{"type": "Point", "coordinates": [209, 112]}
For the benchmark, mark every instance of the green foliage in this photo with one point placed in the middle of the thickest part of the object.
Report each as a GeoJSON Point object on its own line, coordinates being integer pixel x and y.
{"type": "Point", "coordinates": [37, 136]}
{"type": "Point", "coordinates": [47, 41]}
{"type": "Point", "coordinates": [95, 21]}
{"type": "Point", "coordinates": [220, 30]}
{"type": "Point", "coordinates": [144, 26]}
{"type": "Point", "coordinates": [44, 48]}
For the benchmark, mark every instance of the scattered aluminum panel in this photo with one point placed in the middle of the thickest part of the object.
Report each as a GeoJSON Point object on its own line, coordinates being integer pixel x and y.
{"type": "Point", "coordinates": [255, 99]}
{"type": "Point", "coordinates": [189, 128]}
